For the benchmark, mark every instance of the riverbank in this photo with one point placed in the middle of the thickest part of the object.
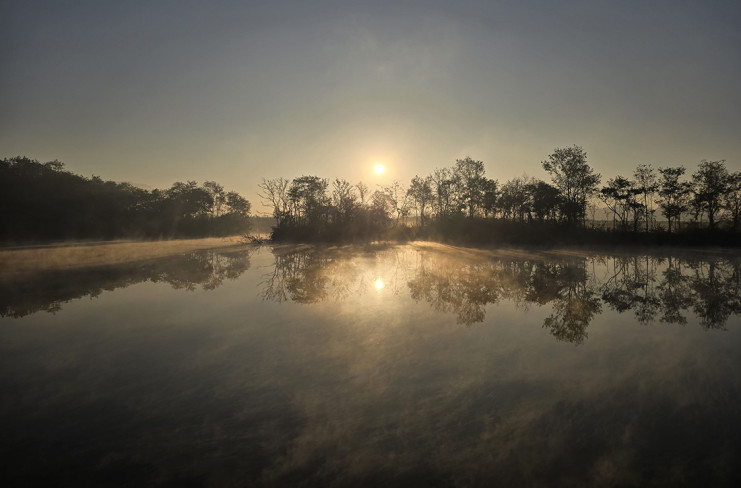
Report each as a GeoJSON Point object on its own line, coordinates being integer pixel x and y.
{"type": "Point", "coordinates": [498, 233]}
{"type": "Point", "coordinates": [68, 255]}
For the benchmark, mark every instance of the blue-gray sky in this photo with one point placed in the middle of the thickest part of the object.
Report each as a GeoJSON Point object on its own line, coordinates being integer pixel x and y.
{"type": "Point", "coordinates": [154, 92]}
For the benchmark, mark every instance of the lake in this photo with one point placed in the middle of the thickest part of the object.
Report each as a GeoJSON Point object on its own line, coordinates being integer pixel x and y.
{"type": "Point", "coordinates": [383, 365]}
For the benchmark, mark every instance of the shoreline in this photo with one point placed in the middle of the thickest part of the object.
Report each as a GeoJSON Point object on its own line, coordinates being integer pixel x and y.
{"type": "Point", "coordinates": [18, 260]}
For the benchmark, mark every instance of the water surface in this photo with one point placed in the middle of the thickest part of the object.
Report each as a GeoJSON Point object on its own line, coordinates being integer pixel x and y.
{"type": "Point", "coordinates": [379, 365]}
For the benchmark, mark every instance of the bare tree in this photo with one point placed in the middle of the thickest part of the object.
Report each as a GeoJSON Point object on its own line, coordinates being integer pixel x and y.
{"type": "Point", "coordinates": [274, 193]}
{"type": "Point", "coordinates": [420, 191]}
{"type": "Point", "coordinates": [443, 182]}
{"type": "Point", "coordinates": [398, 198]}
{"type": "Point", "coordinates": [344, 198]}
{"type": "Point", "coordinates": [362, 191]}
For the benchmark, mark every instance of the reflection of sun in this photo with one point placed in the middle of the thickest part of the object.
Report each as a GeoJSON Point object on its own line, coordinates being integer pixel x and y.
{"type": "Point", "coordinates": [379, 284]}
{"type": "Point", "coordinates": [379, 169]}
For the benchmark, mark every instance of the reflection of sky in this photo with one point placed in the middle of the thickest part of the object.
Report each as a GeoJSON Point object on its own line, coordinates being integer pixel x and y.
{"type": "Point", "coordinates": [350, 387]}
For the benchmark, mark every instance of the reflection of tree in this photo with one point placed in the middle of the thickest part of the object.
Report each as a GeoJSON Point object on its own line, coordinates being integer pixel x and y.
{"type": "Point", "coordinates": [47, 291]}
{"type": "Point", "coordinates": [674, 293]}
{"type": "Point", "coordinates": [464, 291]}
{"type": "Point", "coordinates": [297, 274]}
{"type": "Point", "coordinates": [631, 287]}
{"type": "Point", "coordinates": [308, 283]}
{"type": "Point", "coordinates": [651, 288]}
{"type": "Point", "coordinates": [207, 269]}
{"type": "Point", "coordinates": [716, 287]}
{"type": "Point", "coordinates": [710, 288]}
{"type": "Point", "coordinates": [572, 313]}
{"type": "Point", "coordinates": [546, 282]}
{"type": "Point", "coordinates": [466, 288]}
{"type": "Point", "coordinates": [306, 276]}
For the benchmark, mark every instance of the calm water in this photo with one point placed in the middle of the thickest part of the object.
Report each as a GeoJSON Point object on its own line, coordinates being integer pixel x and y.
{"type": "Point", "coordinates": [378, 366]}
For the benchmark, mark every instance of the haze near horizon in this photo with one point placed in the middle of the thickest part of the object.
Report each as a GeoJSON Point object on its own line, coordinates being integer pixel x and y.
{"type": "Point", "coordinates": [233, 92]}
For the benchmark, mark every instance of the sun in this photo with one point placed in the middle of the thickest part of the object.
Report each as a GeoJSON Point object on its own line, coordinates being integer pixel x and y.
{"type": "Point", "coordinates": [379, 284]}
{"type": "Point", "coordinates": [379, 169]}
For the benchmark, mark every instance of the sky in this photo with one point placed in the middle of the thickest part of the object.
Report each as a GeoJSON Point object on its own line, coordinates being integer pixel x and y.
{"type": "Point", "coordinates": [154, 92]}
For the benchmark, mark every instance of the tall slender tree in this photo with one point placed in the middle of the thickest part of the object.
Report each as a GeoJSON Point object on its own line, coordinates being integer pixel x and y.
{"type": "Point", "coordinates": [732, 201]}
{"type": "Point", "coordinates": [420, 191]}
{"type": "Point", "coordinates": [674, 195]}
{"type": "Point", "coordinates": [710, 187]}
{"type": "Point", "coordinates": [646, 185]}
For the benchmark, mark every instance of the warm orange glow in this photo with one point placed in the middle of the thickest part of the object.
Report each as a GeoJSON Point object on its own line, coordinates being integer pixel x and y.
{"type": "Point", "coordinates": [379, 169]}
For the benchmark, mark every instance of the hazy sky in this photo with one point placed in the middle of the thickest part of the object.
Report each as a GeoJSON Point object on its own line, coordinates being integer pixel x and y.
{"type": "Point", "coordinates": [156, 92]}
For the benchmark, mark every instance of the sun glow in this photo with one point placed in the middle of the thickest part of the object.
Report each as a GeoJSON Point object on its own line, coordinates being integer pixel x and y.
{"type": "Point", "coordinates": [379, 284]}
{"type": "Point", "coordinates": [379, 169]}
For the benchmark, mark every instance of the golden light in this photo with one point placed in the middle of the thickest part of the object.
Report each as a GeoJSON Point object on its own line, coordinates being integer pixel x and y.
{"type": "Point", "coordinates": [379, 284]}
{"type": "Point", "coordinates": [379, 169]}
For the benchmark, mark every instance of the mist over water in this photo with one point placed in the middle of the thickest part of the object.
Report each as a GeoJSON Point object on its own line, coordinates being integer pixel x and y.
{"type": "Point", "coordinates": [390, 365]}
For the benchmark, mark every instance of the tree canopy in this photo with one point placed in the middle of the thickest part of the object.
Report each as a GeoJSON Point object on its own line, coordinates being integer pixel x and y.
{"type": "Point", "coordinates": [44, 201]}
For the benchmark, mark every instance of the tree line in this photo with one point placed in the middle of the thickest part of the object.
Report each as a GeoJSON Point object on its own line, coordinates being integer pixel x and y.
{"type": "Point", "coordinates": [310, 207]}
{"type": "Point", "coordinates": [43, 201]}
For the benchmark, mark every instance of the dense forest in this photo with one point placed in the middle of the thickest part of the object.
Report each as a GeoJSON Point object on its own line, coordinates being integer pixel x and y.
{"type": "Point", "coordinates": [461, 204]}
{"type": "Point", "coordinates": [43, 201]}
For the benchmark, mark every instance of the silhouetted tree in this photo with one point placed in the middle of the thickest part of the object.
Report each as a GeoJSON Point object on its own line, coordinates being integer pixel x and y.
{"type": "Point", "coordinates": [237, 203]}
{"type": "Point", "coordinates": [645, 186]}
{"type": "Point", "coordinates": [514, 200]}
{"type": "Point", "coordinates": [344, 199]}
{"type": "Point", "coordinates": [443, 183]}
{"type": "Point", "coordinates": [274, 193]}
{"type": "Point", "coordinates": [362, 192]}
{"type": "Point", "coordinates": [420, 191]}
{"type": "Point", "coordinates": [188, 199]}
{"type": "Point", "coordinates": [490, 196]}
{"type": "Point", "coordinates": [574, 178]}
{"type": "Point", "coordinates": [732, 199]}
{"type": "Point", "coordinates": [545, 200]}
{"type": "Point", "coordinates": [381, 208]}
{"type": "Point", "coordinates": [710, 186]}
{"type": "Point", "coordinates": [674, 194]}
{"type": "Point", "coordinates": [470, 178]}
{"type": "Point", "coordinates": [619, 197]}
{"type": "Point", "coordinates": [52, 203]}
{"type": "Point", "coordinates": [308, 199]}
{"type": "Point", "coordinates": [218, 196]}
{"type": "Point", "coordinates": [399, 200]}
